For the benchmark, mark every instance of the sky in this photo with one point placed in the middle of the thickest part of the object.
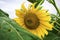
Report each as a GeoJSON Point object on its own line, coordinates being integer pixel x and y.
{"type": "Point", "coordinates": [9, 6]}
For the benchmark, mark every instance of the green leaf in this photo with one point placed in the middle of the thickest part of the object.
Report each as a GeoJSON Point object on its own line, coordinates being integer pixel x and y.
{"type": "Point", "coordinates": [54, 4]}
{"type": "Point", "coordinates": [38, 1]}
{"type": "Point", "coordinates": [51, 36]}
{"type": "Point", "coordinates": [3, 14]}
{"type": "Point", "coordinates": [56, 29]}
{"type": "Point", "coordinates": [32, 1]}
{"type": "Point", "coordinates": [51, 1]}
{"type": "Point", "coordinates": [10, 30]}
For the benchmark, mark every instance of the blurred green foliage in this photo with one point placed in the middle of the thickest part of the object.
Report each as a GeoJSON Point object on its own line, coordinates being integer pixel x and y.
{"type": "Point", "coordinates": [10, 30]}
{"type": "Point", "coordinates": [38, 2]}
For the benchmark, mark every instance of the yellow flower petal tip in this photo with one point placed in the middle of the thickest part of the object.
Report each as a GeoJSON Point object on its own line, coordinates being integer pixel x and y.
{"type": "Point", "coordinates": [34, 20]}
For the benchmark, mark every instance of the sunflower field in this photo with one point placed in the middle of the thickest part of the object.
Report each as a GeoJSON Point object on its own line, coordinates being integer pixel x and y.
{"type": "Point", "coordinates": [31, 23]}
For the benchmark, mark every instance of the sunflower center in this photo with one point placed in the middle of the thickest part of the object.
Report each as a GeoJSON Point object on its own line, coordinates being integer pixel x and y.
{"type": "Point", "coordinates": [31, 21]}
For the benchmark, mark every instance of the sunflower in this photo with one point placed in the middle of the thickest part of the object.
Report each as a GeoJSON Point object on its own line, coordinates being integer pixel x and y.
{"type": "Point", "coordinates": [34, 20]}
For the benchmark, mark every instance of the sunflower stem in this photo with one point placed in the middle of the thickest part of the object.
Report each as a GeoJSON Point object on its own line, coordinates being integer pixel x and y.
{"type": "Point", "coordinates": [56, 29]}
{"type": "Point", "coordinates": [58, 23]}
{"type": "Point", "coordinates": [55, 16]}
{"type": "Point", "coordinates": [56, 7]}
{"type": "Point", "coordinates": [56, 26]}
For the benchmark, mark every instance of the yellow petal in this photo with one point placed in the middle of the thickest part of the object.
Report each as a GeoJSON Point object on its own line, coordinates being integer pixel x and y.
{"type": "Point", "coordinates": [19, 13]}
{"type": "Point", "coordinates": [44, 31]}
{"type": "Point", "coordinates": [39, 34]}
{"type": "Point", "coordinates": [42, 34]}
{"type": "Point", "coordinates": [40, 31]}
{"type": "Point", "coordinates": [33, 31]}
{"type": "Point", "coordinates": [23, 8]}
{"type": "Point", "coordinates": [43, 17]}
{"type": "Point", "coordinates": [46, 18]}
{"type": "Point", "coordinates": [20, 22]}
{"type": "Point", "coordinates": [33, 6]}
{"type": "Point", "coordinates": [29, 6]}
{"type": "Point", "coordinates": [43, 13]}
{"type": "Point", "coordinates": [47, 24]}
{"type": "Point", "coordinates": [33, 9]}
{"type": "Point", "coordinates": [47, 28]}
